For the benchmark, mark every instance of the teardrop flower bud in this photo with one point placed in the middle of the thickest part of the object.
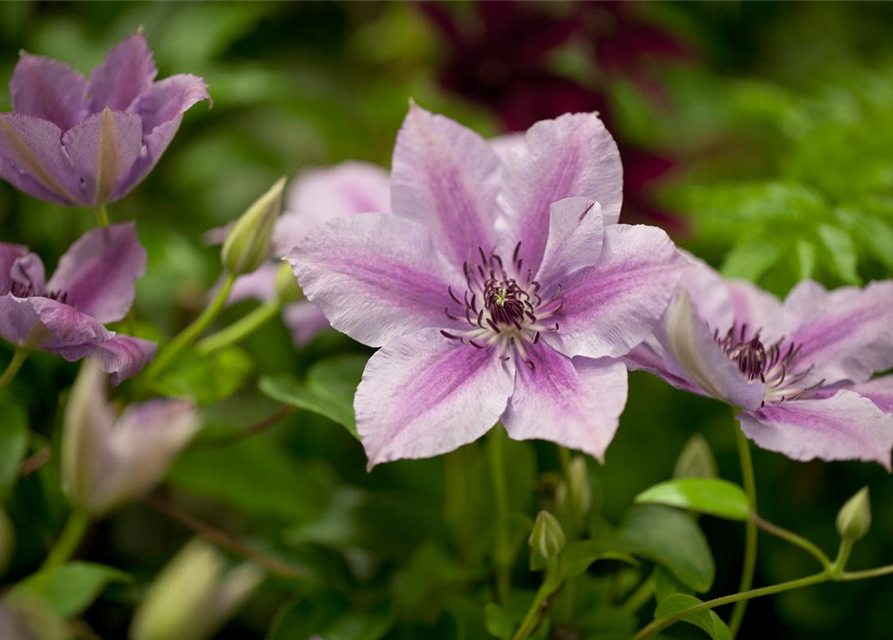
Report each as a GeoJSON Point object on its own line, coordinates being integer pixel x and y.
{"type": "Point", "coordinates": [696, 460]}
{"type": "Point", "coordinates": [854, 519]}
{"type": "Point", "coordinates": [547, 538]}
{"type": "Point", "coordinates": [247, 246]}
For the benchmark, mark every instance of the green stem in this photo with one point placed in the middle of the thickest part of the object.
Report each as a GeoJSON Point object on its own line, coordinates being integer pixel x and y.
{"type": "Point", "coordinates": [550, 585]}
{"type": "Point", "coordinates": [68, 542]}
{"type": "Point", "coordinates": [793, 538]}
{"type": "Point", "coordinates": [843, 556]}
{"type": "Point", "coordinates": [564, 458]}
{"type": "Point", "coordinates": [501, 554]}
{"type": "Point", "coordinates": [639, 597]}
{"type": "Point", "coordinates": [867, 573]}
{"type": "Point", "coordinates": [102, 216]}
{"type": "Point", "coordinates": [18, 359]}
{"type": "Point", "coordinates": [186, 337]}
{"type": "Point", "coordinates": [750, 531]}
{"type": "Point", "coordinates": [239, 329]}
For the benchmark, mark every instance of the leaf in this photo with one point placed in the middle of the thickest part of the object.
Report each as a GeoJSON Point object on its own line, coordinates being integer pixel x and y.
{"type": "Point", "coordinates": [806, 259]}
{"type": "Point", "coordinates": [328, 390]}
{"type": "Point", "coordinates": [579, 555]}
{"type": "Point", "coordinates": [841, 251]}
{"type": "Point", "coordinates": [13, 445]}
{"type": "Point", "coordinates": [751, 259]}
{"type": "Point", "coordinates": [706, 619]}
{"type": "Point", "coordinates": [498, 622]}
{"type": "Point", "coordinates": [665, 585]}
{"type": "Point", "coordinates": [70, 589]}
{"type": "Point", "coordinates": [670, 538]}
{"type": "Point", "coordinates": [713, 496]}
{"type": "Point", "coordinates": [206, 379]}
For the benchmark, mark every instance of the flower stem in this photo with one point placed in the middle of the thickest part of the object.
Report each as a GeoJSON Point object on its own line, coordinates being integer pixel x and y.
{"type": "Point", "coordinates": [750, 531]}
{"type": "Point", "coordinates": [540, 602]}
{"type": "Point", "coordinates": [18, 359]}
{"type": "Point", "coordinates": [867, 573]}
{"type": "Point", "coordinates": [186, 337]}
{"type": "Point", "coordinates": [793, 538]}
{"type": "Point", "coordinates": [102, 216]}
{"type": "Point", "coordinates": [241, 328]}
{"type": "Point", "coordinates": [67, 543]}
{"type": "Point", "coordinates": [501, 554]}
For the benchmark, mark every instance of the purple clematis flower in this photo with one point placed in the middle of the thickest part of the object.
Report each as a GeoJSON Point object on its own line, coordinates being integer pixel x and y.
{"type": "Point", "coordinates": [498, 290]}
{"type": "Point", "coordinates": [86, 143]}
{"type": "Point", "coordinates": [799, 370]}
{"type": "Point", "coordinates": [93, 285]}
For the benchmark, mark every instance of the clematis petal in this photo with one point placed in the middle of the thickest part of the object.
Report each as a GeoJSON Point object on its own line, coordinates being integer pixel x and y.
{"type": "Point", "coordinates": [755, 308]}
{"type": "Point", "coordinates": [28, 275]}
{"type": "Point", "coordinates": [127, 72]}
{"type": "Point", "coordinates": [103, 149]}
{"type": "Point", "coordinates": [575, 403]}
{"type": "Point", "coordinates": [9, 254]}
{"type": "Point", "coordinates": [573, 155]}
{"type": "Point", "coordinates": [98, 271]}
{"type": "Point", "coordinates": [260, 284]}
{"type": "Point", "coordinates": [650, 356]}
{"type": "Point", "coordinates": [709, 294]}
{"type": "Point", "coordinates": [32, 159]}
{"type": "Point", "coordinates": [845, 334]}
{"type": "Point", "coordinates": [845, 426]}
{"type": "Point", "coordinates": [612, 306]}
{"type": "Point", "coordinates": [575, 240]}
{"type": "Point", "coordinates": [879, 391]}
{"type": "Point", "coordinates": [168, 99]}
{"type": "Point", "coordinates": [305, 321]}
{"type": "Point", "coordinates": [67, 328]}
{"type": "Point", "coordinates": [375, 276]}
{"type": "Point", "coordinates": [423, 395]}
{"type": "Point", "coordinates": [48, 89]}
{"type": "Point", "coordinates": [122, 356]}
{"type": "Point", "coordinates": [504, 145]}
{"type": "Point", "coordinates": [19, 322]}
{"type": "Point", "coordinates": [446, 176]}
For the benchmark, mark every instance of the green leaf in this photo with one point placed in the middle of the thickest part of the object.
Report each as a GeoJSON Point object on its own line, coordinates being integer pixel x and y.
{"type": "Point", "coordinates": [670, 538]}
{"type": "Point", "coordinates": [70, 589]}
{"type": "Point", "coordinates": [806, 259]}
{"type": "Point", "coordinates": [206, 379]}
{"type": "Point", "coordinates": [751, 259]}
{"type": "Point", "coordinates": [706, 619]}
{"type": "Point", "coordinates": [579, 555]}
{"type": "Point", "coordinates": [666, 585]}
{"type": "Point", "coordinates": [328, 390]}
{"type": "Point", "coordinates": [713, 496]}
{"type": "Point", "coordinates": [841, 252]}
{"type": "Point", "coordinates": [498, 622]}
{"type": "Point", "coordinates": [876, 235]}
{"type": "Point", "coordinates": [13, 445]}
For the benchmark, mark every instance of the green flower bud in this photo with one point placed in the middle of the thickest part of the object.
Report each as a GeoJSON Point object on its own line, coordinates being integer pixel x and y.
{"type": "Point", "coordinates": [854, 519]}
{"type": "Point", "coordinates": [287, 289]}
{"type": "Point", "coordinates": [696, 460]}
{"type": "Point", "coordinates": [248, 244]}
{"type": "Point", "coordinates": [7, 541]}
{"type": "Point", "coordinates": [574, 494]}
{"type": "Point", "coordinates": [547, 538]}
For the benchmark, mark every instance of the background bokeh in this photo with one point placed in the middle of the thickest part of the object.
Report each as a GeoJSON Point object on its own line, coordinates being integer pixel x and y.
{"type": "Point", "coordinates": [759, 134]}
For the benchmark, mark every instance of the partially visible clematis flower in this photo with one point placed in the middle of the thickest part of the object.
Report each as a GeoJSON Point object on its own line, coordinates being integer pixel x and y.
{"type": "Point", "coordinates": [497, 290]}
{"type": "Point", "coordinates": [110, 460]}
{"type": "Point", "coordinates": [800, 371]}
{"type": "Point", "coordinates": [82, 142]}
{"type": "Point", "coordinates": [93, 285]}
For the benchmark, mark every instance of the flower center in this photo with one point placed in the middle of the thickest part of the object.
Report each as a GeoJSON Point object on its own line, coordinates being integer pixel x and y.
{"type": "Point", "coordinates": [502, 306]}
{"type": "Point", "coordinates": [25, 288]}
{"type": "Point", "coordinates": [777, 365]}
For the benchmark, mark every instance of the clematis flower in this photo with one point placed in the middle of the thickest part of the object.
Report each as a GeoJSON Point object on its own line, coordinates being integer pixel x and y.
{"type": "Point", "coordinates": [82, 142]}
{"type": "Point", "coordinates": [109, 460]}
{"type": "Point", "coordinates": [93, 285]}
{"type": "Point", "coordinates": [800, 371]}
{"type": "Point", "coordinates": [497, 290]}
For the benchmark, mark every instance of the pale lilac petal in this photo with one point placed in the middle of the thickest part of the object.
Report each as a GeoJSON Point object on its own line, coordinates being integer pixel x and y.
{"type": "Point", "coordinates": [879, 391]}
{"type": "Point", "coordinates": [122, 356]}
{"type": "Point", "coordinates": [97, 273]}
{"type": "Point", "coordinates": [505, 144]}
{"type": "Point", "coordinates": [573, 155]}
{"type": "Point", "coordinates": [168, 99]}
{"type": "Point", "coordinates": [708, 293]}
{"type": "Point", "coordinates": [843, 427]}
{"type": "Point", "coordinates": [611, 307]}
{"type": "Point", "coordinates": [375, 276]}
{"type": "Point", "coordinates": [32, 159]}
{"type": "Point", "coordinates": [447, 177]}
{"type": "Point", "coordinates": [48, 89]}
{"type": "Point", "coordinates": [127, 72]}
{"type": "Point", "coordinates": [756, 308]}
{"type": "Point", "coordinates": [575, 403]}
{"type": "Point", "coordinates": [423, 395]}
{"type": "Point", "coordinates": [575, 240]}
{"type": "Point", "coordinates": [68, 329]}
{"type": "Point", "coordinates": [103, 149]}
{"type": "Point", "coordinates": [650, 356]}
{"type": "Point", "coordinates": [19, 322]}
{"type": "Point", "coordinates": [27, 275]}
{"type": "Point", "coordinates": [305, 321]}
{"type": "Point", "coordinates": [9, 253]}
{"type": "Point", "coordinates": [845, 334]}
{"type": "Point", "coordinates": [154, 145]}
{"type": "Point", "coordinates": [257, 285]}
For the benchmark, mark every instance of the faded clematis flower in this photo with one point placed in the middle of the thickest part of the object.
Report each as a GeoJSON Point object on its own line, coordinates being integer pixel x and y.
{"type": "Point", "coordinates": [109, 460]}
{"type": "Point", "coordinates": [93, 285]}
{"type": "Point", "coordinates": [498, 290]}
{"type": "Point", "coordinates": [800, 371]}
{"type": "Point", "coordinates": [87, 143]}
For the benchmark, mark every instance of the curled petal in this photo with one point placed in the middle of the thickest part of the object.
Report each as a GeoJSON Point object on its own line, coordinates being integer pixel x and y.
{"type": "Point", "coordinates": [47, 324]}
{"type": "Point", "coordinates": [48, 89]}
{"type": "Point", "coordinates": [9, 254]}
{"type": "Point", "coordinates": [168, 99]}
{"type": "Point", "coordinates": [879, 391]}
{"type": "Point", "coordinates": [305, 321]}
{"type": "Point", "coordinates": [575, 240]}
{"type": "Point", "coordinates": [375, 276]}
{"type": "Point", "coordinates": [446, 176]}
{"type": "Point", "coordinates": [650, 356]}
{"type": "Point", "coordinates": [32, 159]}
{"type": "Point", "coordinates": [123, 356]}
{"type": "Point", "coordinates": [845, 426]}
{"type": "Point", "coordinates": [127, 72]}
{"type": "Point", "coordinates": [98, 272]}
{"type": "Point", "coordinates": [423, 395]}
{"type": "Point", "coordinates": [154, 145]}
{"type": "Point", "coordinates": [575, 403]}
{"type": "Point", "coordinates": [573, 155]}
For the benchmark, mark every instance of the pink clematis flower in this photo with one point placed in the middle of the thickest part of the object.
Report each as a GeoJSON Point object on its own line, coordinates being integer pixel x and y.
{"type": "Point", "coordinates": [800, 370]}
{"type": "Point", "coordinates": [498, 290]}
{"type": "Point", "coordinates": [93, 285]}
{"type": "Point", "coordinates": [87, 143]}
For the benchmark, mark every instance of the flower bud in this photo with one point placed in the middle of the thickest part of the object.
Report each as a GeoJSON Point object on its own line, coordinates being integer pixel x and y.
{"type": "Point", "coordinates": [287, 289]}
{"type": "Point", "coordinates": [574, 494]}
{"type": "Point", "coordinates": [248, 244]}
{"type": "Point", "coordinates": [193, 595]}
{"type": "Point", "coordinates": [547, 538]}
{"type": "Point", "coordinates": [854, 519]}
{"type": "Point", "coordinates": [696, 460]}
{"type": "Point", "coordinates": [7, 541]}
{"type": "Point", "coordinates": [110, 460]}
